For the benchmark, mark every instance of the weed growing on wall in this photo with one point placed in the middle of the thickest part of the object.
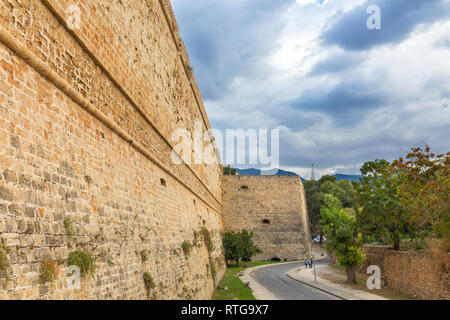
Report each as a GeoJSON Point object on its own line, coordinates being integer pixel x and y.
{"type": "Point", "coordinates": [83, 260]}
{"type": "Point", "coordinates": [195, 241]}
{"type": "Point", "coordinates": [207, 238]}
{"type": "Point", "coordinates": [69, 227]}
{"type": "Point", "coordinates": [48, 271]}
{"type": "Point", "coordinates": [4, 264]}
{"type": "Point", "coordinates": [212, 268]}
{"type": "Point", "coordinates": [148, 282]}
{"type": "Point", "coordinates": [187, 247]}
{"type": "Point", "coordinates": [144, 255]}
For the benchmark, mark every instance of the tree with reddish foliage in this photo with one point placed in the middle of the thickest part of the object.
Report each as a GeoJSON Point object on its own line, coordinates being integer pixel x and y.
{"type": "Point", "coordinates": [408, 197]}
{"type": "Point", "coordinates": [425, 191]}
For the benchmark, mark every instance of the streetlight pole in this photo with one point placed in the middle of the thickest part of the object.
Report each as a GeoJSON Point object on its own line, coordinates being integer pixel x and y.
{"type": "Point", "coordinates": [315, 279]}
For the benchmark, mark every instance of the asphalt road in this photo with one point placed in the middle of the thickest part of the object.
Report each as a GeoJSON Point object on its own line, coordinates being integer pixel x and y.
{"type": "Point", "coordinates": [275, 281]}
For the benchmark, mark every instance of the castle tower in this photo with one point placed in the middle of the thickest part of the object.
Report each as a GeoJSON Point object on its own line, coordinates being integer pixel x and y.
{"type": "Point", "coordinates": [274, 208]}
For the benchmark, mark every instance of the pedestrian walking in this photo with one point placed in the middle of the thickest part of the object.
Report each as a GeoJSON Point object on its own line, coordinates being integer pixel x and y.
{"type": "Point", "coordinates": [311, 262]}
{"type": "Point", "coordinates": [306, 263]}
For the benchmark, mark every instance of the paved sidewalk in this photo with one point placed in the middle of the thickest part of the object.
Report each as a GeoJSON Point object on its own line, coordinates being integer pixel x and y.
{"type": "Point", "coordinates": [318, 252]}
{"type": "Point", "coordinates": [306, 276]}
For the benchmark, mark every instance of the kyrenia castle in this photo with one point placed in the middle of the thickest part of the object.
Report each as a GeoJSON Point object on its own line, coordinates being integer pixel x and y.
{"type": "Point", "coordinates": [90, 92]}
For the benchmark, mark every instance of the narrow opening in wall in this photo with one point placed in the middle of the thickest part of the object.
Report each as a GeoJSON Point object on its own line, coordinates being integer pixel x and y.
{"type": "Point", "coordinates": [275, 259]}
{"type": "Point", "coordinates": [244, 187]}
{"type": "Point", "coordinates": [266, 221]}
{"type": "Point", "coordinates": [163, 182]}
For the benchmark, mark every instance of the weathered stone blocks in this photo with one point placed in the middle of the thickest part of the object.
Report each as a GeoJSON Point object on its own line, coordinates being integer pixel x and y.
{"type": "Point", "coordinates": [274, 208]}
{"type": "Point", "coordinates": [60, 159]}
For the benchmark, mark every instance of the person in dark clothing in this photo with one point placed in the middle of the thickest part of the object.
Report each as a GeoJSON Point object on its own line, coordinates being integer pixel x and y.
{"type": "Point", "coordinates": [311, 263]}
{"type": "Point", "coordinates": [306, 263]}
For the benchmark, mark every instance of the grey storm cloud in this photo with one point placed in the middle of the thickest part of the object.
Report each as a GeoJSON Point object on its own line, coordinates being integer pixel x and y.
{"type": "Point", "coordinates": [444, 42]}
{"type": "Point", "coordinates": [337, 63]}
{"type": "Point", "coordinates": [229, 39]}
{"type": "Point", "coordinates": [344, 107]}
{"type": "Point", "coordinates": [345, 103]}
{"type": "Point", "coordinates": [398, 18]}
{"type": "Point", "coordinates": [445, 94]}
{"type": "Point", "coordinates": [294, 119]}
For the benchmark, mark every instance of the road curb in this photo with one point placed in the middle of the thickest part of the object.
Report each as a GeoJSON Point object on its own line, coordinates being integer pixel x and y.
{"type": "Point", "coordinates": [313, 286]}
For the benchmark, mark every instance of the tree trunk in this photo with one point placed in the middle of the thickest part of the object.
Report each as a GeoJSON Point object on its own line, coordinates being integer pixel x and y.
{"type": "Point", "coordinates": [321, 238]}
{"type": "Point", "coordinates": [351, 273]}
{"type": "Point", "coordinates": [396, 241]}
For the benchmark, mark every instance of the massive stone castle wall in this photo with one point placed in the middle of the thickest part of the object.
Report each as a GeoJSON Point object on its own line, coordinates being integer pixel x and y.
{"type": "Point", "coordinates": [274, 208]}
{"type": "Point", "coordinates": [85, 123]}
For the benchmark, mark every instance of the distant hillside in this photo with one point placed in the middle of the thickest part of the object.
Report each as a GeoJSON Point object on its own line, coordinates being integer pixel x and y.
{"type": "Point", "coordinates": [280, 172]}
{"type": "Point", "coordinates": [286, 173]}
{"type": "Point", "coordinates": [350, 177]}
{"type": "Point", "coordinates": [258, 172]}
{"type": "Point", "coordinates": [249, 172]}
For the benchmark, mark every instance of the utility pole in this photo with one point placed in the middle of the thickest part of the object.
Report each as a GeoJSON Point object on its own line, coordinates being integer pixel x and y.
{"type": "Point", "coordinates": [315, 278]}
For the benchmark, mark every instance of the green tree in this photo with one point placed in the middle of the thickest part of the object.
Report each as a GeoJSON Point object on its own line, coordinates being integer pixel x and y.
{"type": "Point", "coordinates": [229, 171]}
{"type": "Point", "coordinates": [249, 249]}
{"type": "Point", "coordinates": [326, 178]}
{"type": "Point", "coordinates": [378, 205]}
{"type": "Point", "coordinates": [340, 228]}
{"type": "Point", "coordinates": [232, 246]}
{"type": "Point", "coordinates": [343, 190]}
{"type": "Point", "coordinates": [312, 193]}
{"type": "Point", "coordinates": [315, 195]}
{"type": "Point", "coordinates": [239, 246]}
{"type": "Point", "coordinates": [348, 195]}
{"type": "Point", "coordinates": [333, 188]}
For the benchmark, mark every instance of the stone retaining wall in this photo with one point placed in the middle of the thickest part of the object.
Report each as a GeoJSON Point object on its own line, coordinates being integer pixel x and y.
{"type": "Point", "coordinates": [423, 275]}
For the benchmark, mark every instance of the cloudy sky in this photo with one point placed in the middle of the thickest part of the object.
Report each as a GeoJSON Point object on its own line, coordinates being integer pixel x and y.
{"type": "Point", "coordinates": [340, 94]}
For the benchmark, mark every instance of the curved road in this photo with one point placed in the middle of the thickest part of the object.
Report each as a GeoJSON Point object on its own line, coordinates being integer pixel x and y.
{"type": "Point", "coordinates": [274, 279]}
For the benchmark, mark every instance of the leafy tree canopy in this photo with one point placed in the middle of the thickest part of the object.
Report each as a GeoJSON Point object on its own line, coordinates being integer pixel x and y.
{"type": "Point", "coordinates": [340, 228]}
{"type": "Point", "coordinates": [239, 246]}
{"type": "Point", "coordinates": [326, 178]}
{"type": "Point", "coordinates": [316, 190]}
{"type": "Point", "coordinates": [424, 191]}
{"type": "Point", "coordinates": [229, 171]}
{"type": "Point", "coordinates": [378, 205]}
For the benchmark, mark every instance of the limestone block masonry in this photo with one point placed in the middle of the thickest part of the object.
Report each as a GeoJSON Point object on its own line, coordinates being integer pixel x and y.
{"type": "Point", "coordinates": [425, 275]}
{"type": "Point", "coordinates": [85, 122]}
{"type": "Point", "coordinates": [274, 208]}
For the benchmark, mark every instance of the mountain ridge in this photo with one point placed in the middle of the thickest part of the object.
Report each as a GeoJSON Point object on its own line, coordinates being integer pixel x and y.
{"type": "Point", "coordinates": [281, 172]}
